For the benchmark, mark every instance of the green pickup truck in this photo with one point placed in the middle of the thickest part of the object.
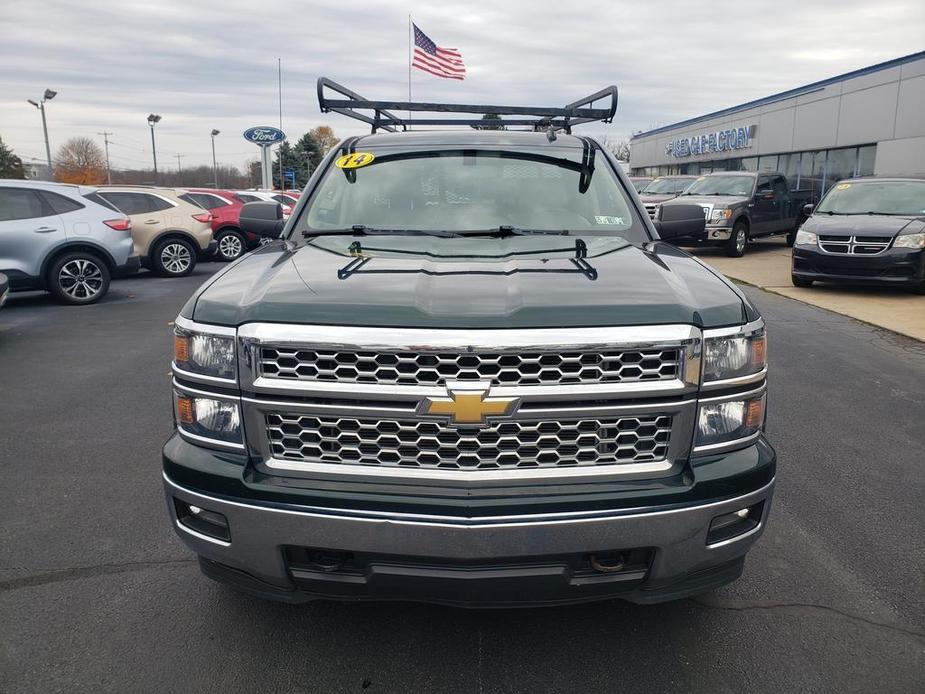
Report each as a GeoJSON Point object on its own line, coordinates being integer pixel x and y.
{"type": "Point", "coordinates": [468, 371]}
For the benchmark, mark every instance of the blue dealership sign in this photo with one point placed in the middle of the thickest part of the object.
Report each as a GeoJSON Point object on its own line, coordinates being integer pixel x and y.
{"type": "Point", "coordinates": [264, 135]}
{"type": "Point", "coordinates": [719, 141]}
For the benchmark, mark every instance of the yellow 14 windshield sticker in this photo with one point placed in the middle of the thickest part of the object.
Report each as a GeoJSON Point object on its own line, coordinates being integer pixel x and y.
{"type": "Point", "coordinates": [842, 186]}
{"type": "Point", "coordinates": [355, 160]}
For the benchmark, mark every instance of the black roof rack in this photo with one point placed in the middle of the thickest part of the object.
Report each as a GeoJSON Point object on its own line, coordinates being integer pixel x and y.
{"type": "Point", "coordinates": [538, 117]}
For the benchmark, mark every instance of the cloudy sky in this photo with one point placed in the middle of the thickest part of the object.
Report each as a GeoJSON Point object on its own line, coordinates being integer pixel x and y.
{"type": "Point", "coordinates": [213, 65]}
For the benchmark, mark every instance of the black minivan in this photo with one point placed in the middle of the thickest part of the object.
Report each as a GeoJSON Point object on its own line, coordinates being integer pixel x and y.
{"type": "Point", "coordinates": [865, 230]}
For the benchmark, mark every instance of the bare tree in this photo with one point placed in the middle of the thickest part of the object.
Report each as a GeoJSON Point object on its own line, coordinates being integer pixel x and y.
{"type": "Point", "coordinates": [619, 148]}
{"type": "Point", "coordinates": [80, 160]}
{"type": "Point", "coordinates": [325, 138]}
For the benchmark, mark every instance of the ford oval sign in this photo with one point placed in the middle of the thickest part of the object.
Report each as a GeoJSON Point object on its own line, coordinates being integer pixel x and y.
{"type": "Point", "coordinates": [264, 135]}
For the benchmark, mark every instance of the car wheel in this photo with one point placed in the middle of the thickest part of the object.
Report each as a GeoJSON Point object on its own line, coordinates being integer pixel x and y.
{"type": "Point", "coordinates": [174, 258]}
{"type": "Point", "coordinates": [800, 282]}
{"type": "Point", "coordinates": [230, 245]}
{"type": "Point", "coordinates": [78, 278]}
{"type": "Point", "coordinates": [738, 241]}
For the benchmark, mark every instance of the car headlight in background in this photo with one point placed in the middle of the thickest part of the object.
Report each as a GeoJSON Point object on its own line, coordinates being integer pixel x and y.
{"type": "Point", "coordinates": [720, 216]}
{"type": "Point", "coordinates": [208, 418]}
{"type": "Point", "coordinates": [805, 238]}
{"type": "Point", "coordinates": [734, 355]}
{"type": "Point", "coordinates": [729, 421]}
{"type": "Point", "coordinates": [909, 241]}
{"type": "Point", "coordinates": [204, 354]}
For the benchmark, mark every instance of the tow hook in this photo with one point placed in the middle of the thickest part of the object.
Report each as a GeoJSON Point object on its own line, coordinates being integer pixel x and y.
{"type": "Point", "coordinates": [608, 564]}
{"type": "Point", "coordinates": [327, 561]}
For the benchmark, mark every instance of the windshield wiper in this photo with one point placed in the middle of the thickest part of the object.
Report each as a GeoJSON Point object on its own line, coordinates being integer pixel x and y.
{"type": "Point", "coordinates": [517, 231]}
{"type": "Point", "coordinates": [509, 230]}
{"type": "Point", "coordinates": [373, 231]}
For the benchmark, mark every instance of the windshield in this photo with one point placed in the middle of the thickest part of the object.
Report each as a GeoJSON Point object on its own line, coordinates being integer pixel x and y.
{"type": "Point", "coordinates": [667, 186]}
{"type": "Point", "coordinates": [880, 197]}
{"type": "Point", "coordinates": [721, 185]}
{"type": "Point", "coordinates": [640, 183]}
{"type": "Point", "coordinates": [459, 191]}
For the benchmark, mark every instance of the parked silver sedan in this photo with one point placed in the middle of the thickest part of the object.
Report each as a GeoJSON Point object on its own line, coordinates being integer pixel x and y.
{"type": "Point", "coordinates": [62, 238]}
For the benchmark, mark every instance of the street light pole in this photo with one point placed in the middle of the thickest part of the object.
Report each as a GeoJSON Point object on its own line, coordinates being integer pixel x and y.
{"type": "Point", "coordinates": [47, 96]}
{"type": "Point", "coordinates": [214, 166]}
{"type": "Point", "coordinates": [153, 118]}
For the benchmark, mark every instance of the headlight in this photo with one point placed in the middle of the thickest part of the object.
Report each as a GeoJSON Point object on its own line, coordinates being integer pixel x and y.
{"type": "Point", "coordinates": [736, 355]}
{"type": "Point", "coordinates": [909, 241]}
{"type": "Point", "coordinates": [729, 421]}
{"type": "Point", "coordinates": [208, 355]}
{"type": "Point", "coordinates": [805, 238]}
{"type": "Point", "coordinates": [720, 216]}
{"type": "Point", "coordinates": [208, 418]}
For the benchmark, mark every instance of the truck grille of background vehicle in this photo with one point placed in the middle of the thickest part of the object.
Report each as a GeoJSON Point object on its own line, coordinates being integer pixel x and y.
{"type": "Point", "coordinates": [509, 444]}
{"type": "Point", "coordinates": [410, 368]}
{"type": "Point", "coordinates": [651, 209]}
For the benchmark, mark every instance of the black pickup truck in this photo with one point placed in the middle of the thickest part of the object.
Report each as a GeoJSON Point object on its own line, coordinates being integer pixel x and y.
{"type": "Point", "coordinates": [739, 206]}
{"type": "Point", "coordinates": [468, 370]}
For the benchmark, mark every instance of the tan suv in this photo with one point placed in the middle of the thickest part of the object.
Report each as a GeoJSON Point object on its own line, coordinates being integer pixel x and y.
{"type": "Point", "coordinates": [169, 233]}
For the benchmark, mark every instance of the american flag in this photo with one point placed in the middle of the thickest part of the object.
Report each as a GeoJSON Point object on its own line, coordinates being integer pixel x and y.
{"type": "Point", "coordinates": [442, 62]}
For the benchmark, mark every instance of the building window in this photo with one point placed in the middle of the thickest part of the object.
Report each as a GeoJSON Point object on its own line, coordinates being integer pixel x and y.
{"type": "Point", "coordinates": [867, 155]}
{"type": "Point", "coordinates": [767, 162]}
{"type": "Point", "coordinates": [840, 163]}
{"type": "Point", "coordinates": [749, 164]}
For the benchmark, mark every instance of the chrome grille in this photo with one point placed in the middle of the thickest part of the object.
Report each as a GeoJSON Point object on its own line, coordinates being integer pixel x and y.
{"type": "Point", "coordinates": [854, 245]}
{"type": "Point", "coordinates": [651, 209]}
{"type": "Point", "coordinates": [423, 368]}
{"type": "Point", "coordinates": [509, 444]}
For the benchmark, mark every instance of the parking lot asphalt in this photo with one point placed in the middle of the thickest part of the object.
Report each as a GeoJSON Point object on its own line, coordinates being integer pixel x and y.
{"type": "Point", "coordinates": [766, 265]}
{"type": "Point", "coordinates": [97, 594]}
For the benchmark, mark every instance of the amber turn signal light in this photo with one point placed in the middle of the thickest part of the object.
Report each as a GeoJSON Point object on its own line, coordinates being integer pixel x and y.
{"type": "Point", "coordinates": [185, 409]}
{"type": "Point", "coordinates": [755, 415]}
{"type": "Point", "coordinates": [181, 348]}
{"type": "Point", "coordinates": [759, 350]}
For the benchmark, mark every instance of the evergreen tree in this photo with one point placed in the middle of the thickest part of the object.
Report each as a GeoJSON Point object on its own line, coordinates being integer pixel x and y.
{"type": "Point", "coordinates": [10, 164]}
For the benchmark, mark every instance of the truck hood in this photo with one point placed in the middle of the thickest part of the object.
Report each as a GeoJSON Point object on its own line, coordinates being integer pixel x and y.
{"type": "Point", "coordinates": [656, 197]}
{"type": "Point", "coordinates": [718, 201]}
{"type": "Point", "coordinates": [514, 282]}
{"type": "Point", "coordinates": [862, 224]}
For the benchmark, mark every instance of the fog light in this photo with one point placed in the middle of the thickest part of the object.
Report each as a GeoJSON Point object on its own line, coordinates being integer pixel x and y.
{"type": "Point", "coordinates": [210, 523]}
{"type": "Point", "coordinates": [731, 525]}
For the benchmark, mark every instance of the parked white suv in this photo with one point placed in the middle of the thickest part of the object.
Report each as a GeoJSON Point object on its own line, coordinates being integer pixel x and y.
{"type": "Point", "coordinates": [62, 238]}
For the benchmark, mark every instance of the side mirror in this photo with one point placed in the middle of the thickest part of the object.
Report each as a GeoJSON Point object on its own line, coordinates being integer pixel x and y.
{"type": "Point", "coordinates": [262, 218]}
{"type": "Point", "coordinates": [808, 209]}
{"type": "Point", "coordinates": [676, 220]}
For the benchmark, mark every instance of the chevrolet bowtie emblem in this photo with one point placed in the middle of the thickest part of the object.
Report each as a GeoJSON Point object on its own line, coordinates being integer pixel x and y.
{"type": "Point", "coordinates": [468, 403]}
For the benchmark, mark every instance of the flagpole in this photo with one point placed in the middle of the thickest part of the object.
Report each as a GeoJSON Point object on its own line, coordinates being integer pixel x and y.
{"type": "Point", "coordinates": [410, 54]}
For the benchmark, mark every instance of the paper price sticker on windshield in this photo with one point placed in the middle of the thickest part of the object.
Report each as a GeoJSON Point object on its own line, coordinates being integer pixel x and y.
{"type": "Point", "coordinates": [842, 186]}
{"type": "Point", "coordinates": [609, 220]}
{"type": "Point", "coordinates": [355, 160]}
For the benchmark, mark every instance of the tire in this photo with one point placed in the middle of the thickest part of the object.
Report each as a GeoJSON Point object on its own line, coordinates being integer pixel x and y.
{"type": "Point", "coordinates": [738, 240]}
{"type": "Point", "coordinates": [173, 257]}
{"type": "Point", "coordinates": [231, 245]}
{"type": "Point", "coordinates": [800, 282]}
{"type": "Point", "coordinates": [78, 278]}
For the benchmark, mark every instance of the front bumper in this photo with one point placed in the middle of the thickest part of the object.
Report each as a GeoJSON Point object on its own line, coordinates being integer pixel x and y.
{"type": "Point", "coordinates": [901, 266]}
{"type": "Point", "coordinates": [476, 562]}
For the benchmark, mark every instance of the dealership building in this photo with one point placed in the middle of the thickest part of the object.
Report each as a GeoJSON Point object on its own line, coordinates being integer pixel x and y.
{"type": "Point", "coordinates": [870, 121]}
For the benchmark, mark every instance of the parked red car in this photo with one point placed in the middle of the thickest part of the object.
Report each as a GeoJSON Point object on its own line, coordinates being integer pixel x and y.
{"type": "Point", "coordinates": [226, 229]}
